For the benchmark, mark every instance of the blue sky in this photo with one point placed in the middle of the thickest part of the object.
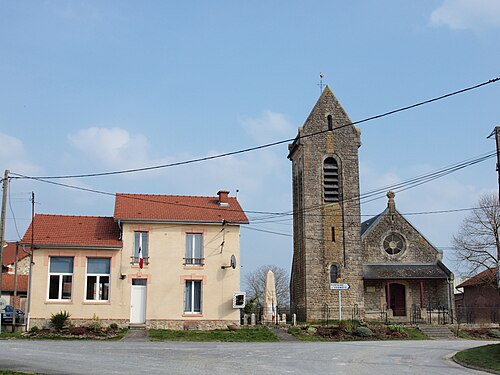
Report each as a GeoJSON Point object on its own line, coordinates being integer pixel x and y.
{"type": "Point", "coordinates": [93, 86]}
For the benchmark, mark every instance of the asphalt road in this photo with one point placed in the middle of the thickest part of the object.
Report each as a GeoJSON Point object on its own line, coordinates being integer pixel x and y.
{"type": "Point", "coordinates": [362, 357]}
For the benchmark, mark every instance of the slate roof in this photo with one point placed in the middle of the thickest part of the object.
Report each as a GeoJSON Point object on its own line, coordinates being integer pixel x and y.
{"type": "Point", "coordinates": [486, 277]}
{"type": "Point", "coordinates": [8, 283]}
{"type": "Point", "coordinates": [9, 254]}
{"type": "Point", "coordinates": [365, 225]}
{"type": "Point", "coordinates": [405, 271]}
{"type": "Point", "coordinates": [176, 208]}
{"type": "Point", "coordinates": [74, 231]}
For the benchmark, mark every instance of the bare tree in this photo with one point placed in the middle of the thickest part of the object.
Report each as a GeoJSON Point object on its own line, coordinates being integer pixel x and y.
{"type": "Point", "coordinates": [477, 241]}
{"type": "Point", "coordinates": [254, 284]}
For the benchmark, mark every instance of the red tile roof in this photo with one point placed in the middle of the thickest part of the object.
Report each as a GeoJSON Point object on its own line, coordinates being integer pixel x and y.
{"type": "Point", "coordinates": [61, 230]}
{"type": "Point", "coordinates": [177, 208]}
{"type": "Point", "coordinates": [9, 254]}
{"type": "Point", "coordinates": [486, 277]}
{"type": "Point", "coordinates": [8, 283]}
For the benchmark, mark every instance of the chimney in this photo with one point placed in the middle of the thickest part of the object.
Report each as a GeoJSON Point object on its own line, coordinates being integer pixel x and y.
{"type": "Point", "coordinates": [223, 197]}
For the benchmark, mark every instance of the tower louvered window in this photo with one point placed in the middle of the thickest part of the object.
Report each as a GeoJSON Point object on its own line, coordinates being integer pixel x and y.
{"type": "Point", "coordinates": [330, 180]}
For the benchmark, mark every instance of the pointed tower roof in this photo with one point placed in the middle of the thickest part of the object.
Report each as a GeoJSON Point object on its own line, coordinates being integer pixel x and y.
{"type": "Point", "coordinates": [327, 110]}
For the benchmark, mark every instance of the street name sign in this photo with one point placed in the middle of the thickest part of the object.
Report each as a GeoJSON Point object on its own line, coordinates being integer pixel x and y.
{"type": "Point", "coordinates": [339, 286]}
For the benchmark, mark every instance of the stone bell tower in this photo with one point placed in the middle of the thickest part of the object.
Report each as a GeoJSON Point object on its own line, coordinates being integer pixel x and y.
{"type": "Point", "coordinates": [326, 213]}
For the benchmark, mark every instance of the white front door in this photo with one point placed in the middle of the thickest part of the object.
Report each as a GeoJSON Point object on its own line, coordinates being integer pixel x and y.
{"type": "Point", "coordinates": [138, 301]}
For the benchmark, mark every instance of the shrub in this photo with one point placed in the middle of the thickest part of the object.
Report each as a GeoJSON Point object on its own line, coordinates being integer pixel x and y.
{"type": "Point", "coordinates": [77, 331]}
{"type": "Point", "coordinates": [59, 320]}
{"type": "Point", "coordinates": [495, 333]}
{"type": "Point", "coordinates": [363, 332]}
{"type": "Point", "coordinates": [394, 328]}
{"type": "Point", "coordinates": [113, 326]}
{"type": "Point", "coordinates": [348, 326]}
{"type": "Point", "coordinates": [95, 325]}
{"type": "Point", "coordinates": [34, 329]}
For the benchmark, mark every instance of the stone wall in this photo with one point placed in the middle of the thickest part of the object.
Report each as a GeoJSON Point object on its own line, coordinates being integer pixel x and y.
{"type": "Point", "coordinates": [418, 249]}
{"type": "Point", "coordinates": [150, 324]}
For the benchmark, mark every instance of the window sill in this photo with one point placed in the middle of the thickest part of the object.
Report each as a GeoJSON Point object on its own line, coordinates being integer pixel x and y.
{"type": "Point", "coordinates": [96, 303]}
{"type": "Point", "coordinates": [58, 302]}
{"type": "Point", "coordinates": [192, 315]}
{"type": "Point", "coordinates": [193, 267]}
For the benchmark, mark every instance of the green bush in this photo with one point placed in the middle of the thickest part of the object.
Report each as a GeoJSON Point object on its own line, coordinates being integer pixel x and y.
{"type": "Point", "coordinates": [394, 328]}
{"type": "Point", "coordinates": [34, 329]}
{"type": "Point", "coordinates": [495, 333]}
{"type": "Point", "coordinates": [95, 325]}
{"type": "Point", "coordinates": [113, 326]}
{"type": "Point", "coordinates": [363, 332]}
{"type": "Point", "coordinates": [59, 320]}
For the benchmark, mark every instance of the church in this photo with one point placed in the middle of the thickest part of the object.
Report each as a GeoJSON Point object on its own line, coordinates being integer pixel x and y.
{"type": "Point", "coordinates": [379, 269]}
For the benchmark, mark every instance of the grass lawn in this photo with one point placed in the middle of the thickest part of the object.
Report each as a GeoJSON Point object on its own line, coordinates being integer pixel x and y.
{"type": "Point", "coordinates": [221, 335]}
{"type": "Point", "coordinates": [483, 356]}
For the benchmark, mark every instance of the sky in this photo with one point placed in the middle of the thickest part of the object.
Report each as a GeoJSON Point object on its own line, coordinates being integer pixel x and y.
{"type": "Point", "coordinates": [94, 86]}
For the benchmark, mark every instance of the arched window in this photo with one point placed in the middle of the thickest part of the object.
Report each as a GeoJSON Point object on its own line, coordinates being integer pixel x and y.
{"type": "Point", "coordinates": [330, 122]}
{"type": "Point", "coordinates": [334, 273]}
{"type": "Point", "coordinates": [330, 180]}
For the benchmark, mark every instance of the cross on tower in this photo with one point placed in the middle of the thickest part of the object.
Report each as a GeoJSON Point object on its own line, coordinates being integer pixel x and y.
{"type": "Point", "coordinates": [320, 84]}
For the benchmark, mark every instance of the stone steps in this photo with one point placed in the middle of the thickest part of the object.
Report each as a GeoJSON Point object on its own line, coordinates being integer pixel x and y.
{"type": "Point", "coordinates": [437, 332]}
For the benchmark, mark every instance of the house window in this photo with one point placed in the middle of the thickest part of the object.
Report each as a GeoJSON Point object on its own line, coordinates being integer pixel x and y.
{"type": "Point", "coordinates": [194, 249]}
{"type": "Point", "coordinates": [192, 297]}
{"type": "Point", "coordinates": [330, 180]}
{"type": "Point", "coordinates": [334, 273]}
{"type": "Point", "coordinates": [60, 278]}
{"type": "Point", "coordinates": [98, 272]}
{"type": "Point", "coordinates": [141, 242]}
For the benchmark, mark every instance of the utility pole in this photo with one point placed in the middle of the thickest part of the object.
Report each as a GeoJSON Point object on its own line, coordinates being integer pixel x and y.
{"type": "Point", "coordinates": [2, 223]}
{"type": "Point", "coordinates": [497, 138]}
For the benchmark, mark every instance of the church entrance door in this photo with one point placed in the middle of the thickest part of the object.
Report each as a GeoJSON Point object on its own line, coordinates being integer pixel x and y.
{"type": "Point", "coordinates": [398, 299]}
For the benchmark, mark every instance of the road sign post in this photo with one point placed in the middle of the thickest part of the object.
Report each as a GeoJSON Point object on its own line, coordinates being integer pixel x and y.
{"type": "Point", "coordinates": [340, 287]}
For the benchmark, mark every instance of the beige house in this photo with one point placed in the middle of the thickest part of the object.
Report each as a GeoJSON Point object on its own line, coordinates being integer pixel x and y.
{"type": "Point", "coordinates": [161, 261]}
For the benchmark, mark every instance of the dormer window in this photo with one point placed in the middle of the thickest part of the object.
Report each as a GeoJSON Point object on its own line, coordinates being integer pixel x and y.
{"type": "Point", "coordinates": [330, 180]}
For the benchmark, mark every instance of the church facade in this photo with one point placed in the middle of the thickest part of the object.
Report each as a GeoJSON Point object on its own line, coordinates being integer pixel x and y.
{"type": "Point", "coordinates": [391, 270]}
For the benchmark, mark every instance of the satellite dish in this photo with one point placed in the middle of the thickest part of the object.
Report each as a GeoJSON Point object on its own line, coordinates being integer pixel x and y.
{"type": "Point", "coordinates": [232, 263]}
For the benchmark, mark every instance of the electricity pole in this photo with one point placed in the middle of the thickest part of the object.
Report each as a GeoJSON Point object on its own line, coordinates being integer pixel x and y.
{"type": "Point", "coordinates": [2, 223]}
{"type": "Point", "coordinates": [497, 138]}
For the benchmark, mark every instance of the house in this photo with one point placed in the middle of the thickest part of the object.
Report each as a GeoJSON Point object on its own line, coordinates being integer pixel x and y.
{"type": "Point", "coordinates": [9, 259]}
{"type": "Point", "coordinates": [379, 269]}
{"type": "Point", "coordinates": [480, 300]}
{"type": "Point", "coordinates": [9, 287]}
{"type": "Point", "coordinates": [161, 261]}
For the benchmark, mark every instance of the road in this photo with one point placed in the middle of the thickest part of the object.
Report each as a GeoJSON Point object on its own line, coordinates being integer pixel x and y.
{"type": "Point", "coordinates": [108, 357]}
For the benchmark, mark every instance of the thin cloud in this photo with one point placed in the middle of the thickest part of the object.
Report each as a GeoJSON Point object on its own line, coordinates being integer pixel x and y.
{"type": "Point", "coordinates": [270, 126]}
{"type": "Point", "coordinates": [113, 147]}
{"type": "Point", "coordinates": [476, 15]}
{"type": "Point", "coordinates": [13, 156]}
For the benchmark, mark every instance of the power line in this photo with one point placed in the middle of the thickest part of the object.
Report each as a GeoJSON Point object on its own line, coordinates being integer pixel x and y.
{"type": "Point", "coordinates": [407, 184]}
{"type": "Point", "coordinates": [206, 158]}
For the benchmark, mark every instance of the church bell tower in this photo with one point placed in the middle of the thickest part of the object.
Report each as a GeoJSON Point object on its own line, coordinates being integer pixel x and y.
{"type": "Point", "coordinates": [326, 213]}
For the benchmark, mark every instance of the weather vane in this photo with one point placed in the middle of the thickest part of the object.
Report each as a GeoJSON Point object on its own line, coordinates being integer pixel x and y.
{"type": "Point", "coordinates": [320, 84]}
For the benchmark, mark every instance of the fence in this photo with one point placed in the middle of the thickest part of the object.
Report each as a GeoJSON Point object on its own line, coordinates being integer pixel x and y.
{"type": "Point", "coordinates": [478, 315]}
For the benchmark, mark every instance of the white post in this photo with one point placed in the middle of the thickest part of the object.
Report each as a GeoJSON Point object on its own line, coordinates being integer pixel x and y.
{"type": "Point", "coordinates": [340, 305]}
{"type": "Point", "coordinates": [294, 320]}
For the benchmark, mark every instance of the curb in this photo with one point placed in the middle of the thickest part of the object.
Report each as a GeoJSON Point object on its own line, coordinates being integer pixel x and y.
{"type": "Point", "coordinates": [456, 360]}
